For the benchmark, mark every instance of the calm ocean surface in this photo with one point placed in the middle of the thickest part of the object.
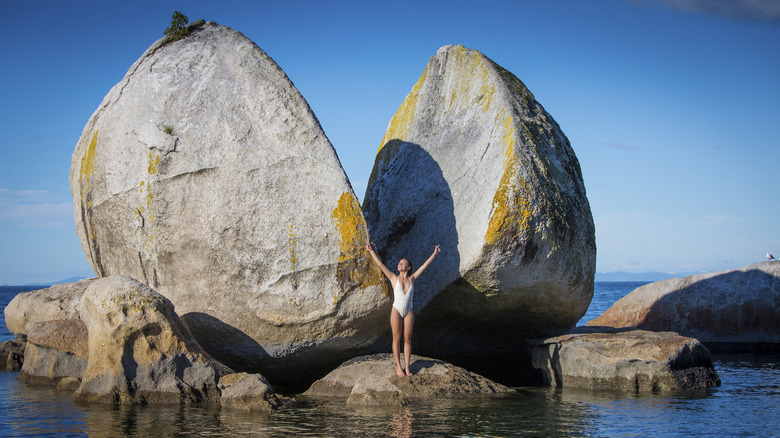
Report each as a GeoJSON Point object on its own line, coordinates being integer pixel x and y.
{"type": "Point", "coordinates": [746, 404]}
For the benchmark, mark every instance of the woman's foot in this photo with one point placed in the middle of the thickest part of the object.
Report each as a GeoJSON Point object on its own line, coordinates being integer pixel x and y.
{"type": "Point", "coordinates": [408, 373]}
{"type": "Point", "coordinates": [399, 372]}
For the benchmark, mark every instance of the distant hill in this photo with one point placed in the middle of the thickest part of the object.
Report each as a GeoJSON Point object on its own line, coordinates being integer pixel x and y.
{"type": "Point", "coordinates": [637, 276]}
{"type": "Point", "coordinates": [44, 285]}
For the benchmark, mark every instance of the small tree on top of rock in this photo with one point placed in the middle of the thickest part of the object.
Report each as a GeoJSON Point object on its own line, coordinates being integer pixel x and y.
{"type": "Point", "coordinates": [178, 29]}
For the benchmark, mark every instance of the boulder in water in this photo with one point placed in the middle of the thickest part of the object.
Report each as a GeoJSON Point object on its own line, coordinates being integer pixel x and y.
{"type": "Point", "coordinates": [371, 374]}
{"type": "Point", "coordinates": [249, 392]}
{"type": "Point", "coordinates": [633, 360]}
{"type": "Point", "coordinates": [729, 311]}
{"type": "Point", "coordinates": [139, 350]}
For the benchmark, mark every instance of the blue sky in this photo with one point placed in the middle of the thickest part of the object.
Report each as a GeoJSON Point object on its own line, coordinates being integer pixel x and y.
{"type": "Point", "coordinates": [672, 106]}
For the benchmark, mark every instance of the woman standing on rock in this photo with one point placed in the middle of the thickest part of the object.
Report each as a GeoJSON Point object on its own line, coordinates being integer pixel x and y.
{"type": "Point", "coordinates": [401, 315]}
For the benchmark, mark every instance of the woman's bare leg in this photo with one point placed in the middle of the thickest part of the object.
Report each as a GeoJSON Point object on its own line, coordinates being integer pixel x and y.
{"type": "Point", "coordinates": [408, 324]}
{"type": "Point", "coordinates": [396, 324]}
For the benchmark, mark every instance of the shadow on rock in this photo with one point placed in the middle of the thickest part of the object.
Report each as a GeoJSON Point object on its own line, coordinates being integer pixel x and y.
{"type": "Point", "coordinates": [226, 343]}
{"type": "Point", "coordinates": [416, 210]}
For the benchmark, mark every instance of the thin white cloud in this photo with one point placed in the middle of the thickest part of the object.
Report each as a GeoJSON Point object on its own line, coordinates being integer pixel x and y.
{"type": "Point", "coordinates": [34, 208]}
{"type": "Point", "coordinates": [733, 10]}
{"type": "Point", "coordinates": [26, 195]}
{"type": "Point", "coordinates": [31, 193]}
{"type": "Point", "coordinates": [44, 215]}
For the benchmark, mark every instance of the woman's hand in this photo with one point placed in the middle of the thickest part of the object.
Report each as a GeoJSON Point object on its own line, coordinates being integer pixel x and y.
{"type": "Point", "coordinates": [436, 250]}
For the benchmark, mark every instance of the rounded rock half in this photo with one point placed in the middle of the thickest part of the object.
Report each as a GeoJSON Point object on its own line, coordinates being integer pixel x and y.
{"type": "Point", "coordinates": [472, 162]}
{"type": "Point", "coordinates": [205, 174]}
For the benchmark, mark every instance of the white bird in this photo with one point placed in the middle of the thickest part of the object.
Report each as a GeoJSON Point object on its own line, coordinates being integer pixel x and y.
{"type": "Point", "coordinates": [769, 256]}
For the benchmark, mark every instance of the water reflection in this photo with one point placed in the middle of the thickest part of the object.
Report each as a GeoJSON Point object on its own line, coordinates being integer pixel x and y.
{"type": "Point", "coordinates": [401, 424]}
{"type": "Point", "coordinates": [747, 403]}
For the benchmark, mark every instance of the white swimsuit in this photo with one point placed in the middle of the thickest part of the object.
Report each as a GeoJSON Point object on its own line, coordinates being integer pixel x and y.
{"type": "Point", "coordinates": [402, 301]}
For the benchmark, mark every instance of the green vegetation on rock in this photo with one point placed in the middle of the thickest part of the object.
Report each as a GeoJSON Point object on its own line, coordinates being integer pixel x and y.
{"type": "Point", "coordinates": [178, 29]}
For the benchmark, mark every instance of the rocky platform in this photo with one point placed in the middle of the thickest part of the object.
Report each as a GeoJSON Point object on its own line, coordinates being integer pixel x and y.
{"type": "Point", "coordinates": [371, 380]}
{"type": "Point", "coordinates": [625, 360]}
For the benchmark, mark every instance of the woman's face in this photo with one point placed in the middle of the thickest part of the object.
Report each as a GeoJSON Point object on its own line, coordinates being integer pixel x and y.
{"type": "Point", "coordinates": [403, 265]}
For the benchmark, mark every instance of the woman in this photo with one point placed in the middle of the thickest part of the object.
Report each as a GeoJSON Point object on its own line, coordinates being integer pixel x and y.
{"type": "Point", "coordinates": [401, 315]}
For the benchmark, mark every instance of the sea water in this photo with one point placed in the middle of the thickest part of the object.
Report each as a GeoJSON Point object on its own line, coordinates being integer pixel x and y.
{"type": "Point", "coordinates": [746, 404]}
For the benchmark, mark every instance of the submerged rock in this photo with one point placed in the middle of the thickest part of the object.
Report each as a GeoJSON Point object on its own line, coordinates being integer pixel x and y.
{"type": "Point", "coordinates": [58, 302]}
{"type": "Point", "coordinates": [370, 380]}
{"type": "Point", "coordinates": [728, 311]}
{"type": "Point", "coordinates": [139, 350]}
{"type": "Point", "coordinates": [376, 391]}
{"type": "Point", "coordinates": [69, 384]}
{"type": "Point", "coordinates": [634, 360]}
{"type": "Point", "coordinates": [472, 162]}
{"type": "Point", "coordinates": [205, 174]}
{"type": "Point", "coordinates": [249, 392]}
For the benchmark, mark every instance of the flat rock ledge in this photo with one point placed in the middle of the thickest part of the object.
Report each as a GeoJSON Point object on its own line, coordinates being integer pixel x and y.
{"type": "Point", "coordinates": [371, 381]}
{"type": "Point", "coordinates": [601, 358]}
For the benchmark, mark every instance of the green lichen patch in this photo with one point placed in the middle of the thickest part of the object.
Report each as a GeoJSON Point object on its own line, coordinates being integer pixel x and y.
{"type": "Point", "coordinates": [133, 299]}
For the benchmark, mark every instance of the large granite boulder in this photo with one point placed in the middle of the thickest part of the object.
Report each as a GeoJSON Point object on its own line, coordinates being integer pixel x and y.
{"type": "Point", "coordinates": [139, 350]}
{"type": "Point", "coordinates": [633, 360]}
{"type": "Point", "coordinates": [471, 161]}
{"type": "Point", "coordinates": [728, 311]}
{"type": "Point", "coordinates": [371, 380]}
{"type": "Point", "coordinates": [56, 349]}
{"type": "Point", "coordinates": [205, 174]}
{"type": "Point", "coordinates": [58, 302]}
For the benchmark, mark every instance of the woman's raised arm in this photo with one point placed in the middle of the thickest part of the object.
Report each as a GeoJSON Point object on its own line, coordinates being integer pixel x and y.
{"type": "Point", "coordinates": [420, 270]}
{"type": "Point", "coordinates": [388, 273]}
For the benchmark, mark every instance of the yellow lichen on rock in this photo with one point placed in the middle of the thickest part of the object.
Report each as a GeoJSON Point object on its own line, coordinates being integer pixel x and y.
{"type": "Point", "coordinates": [85, 177]}
{"type": "Point", "coordinates": [512, 210]}
{"type": "Point", "coordinates": [153, 167]}
{"type": "Point", "coordinates": [88, 168]}
{"type": "Point", "coordinates": [293, 249]}
{"type": "Point", "coordinates": [473, 85]}
{"type": "Point", "coordinates": [354, 267]}
{"type": "Point", "coordinates": [154, 163]}
{"type": "Point", "coordinates": [399, 124]}
{"type": "Point", "coordinates": [350, 225]}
